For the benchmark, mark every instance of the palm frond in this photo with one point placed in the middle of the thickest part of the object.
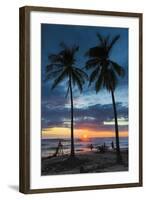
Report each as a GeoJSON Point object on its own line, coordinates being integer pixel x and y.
{"type": "Point", "coordinates": [101, 39]}
{"type": "Point", "coordinates": [59, 79]}
{"type": "Point", "coordinates": [104, 71]}
{"type": "Point", "coordinates": [68, 55]}
{"type": "Point", "coordinates": [56, 58]}
{"type": "Point", "coordinates": [77, 75]}
{"type": "Point", "coordinates": [63, 45]}
{"type": "Point", "coordinates": [78, 79]}
{"type": "Point", "coordinates": [78, 82]}
{"type": "Point", "coordinates": [53, 74]}
{"type": "Point", "coordinates": [67, 92]}
{"type": "Point", "coordinates": [75, 48]}
{"type": "Point", "coordinates": [110, 80]}
{"type": "Point", "coordinates": [53, 66]}
{"type": "Point", "coordinates": [118, 69]}
{"type": "Point", "coordinates": [82, 73]}
{"type": "Point", "coordinates": [107, 40]}
{"type": "Point", "coordinates": [114, 40]}
{"type": "Point", "coordinates": [92, 63]}
{"type": "Point", "coordinates": [99, 83]}
{"type": "Point", "coordinates": [114, 80]}
{"type": "Point", "coordinates": [97, 52]}
{"type": "Point", "coordinates": [62, 67]}
{"type": "Point", "coordinates": [94, 75]}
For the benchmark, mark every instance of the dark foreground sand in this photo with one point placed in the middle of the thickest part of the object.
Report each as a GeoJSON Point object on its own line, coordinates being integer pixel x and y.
{"type": "Point", "coordinates": [85, 162]}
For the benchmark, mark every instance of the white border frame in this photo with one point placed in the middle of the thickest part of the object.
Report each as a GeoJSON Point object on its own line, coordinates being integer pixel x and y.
{"type": "Point", "coordinates": [132, 176]}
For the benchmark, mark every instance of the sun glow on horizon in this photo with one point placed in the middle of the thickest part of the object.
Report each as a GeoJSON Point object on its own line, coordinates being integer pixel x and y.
{"type": "Point", "coordinates": [82, 133]}
{"type": "Point", "coordinates": [85, 136]}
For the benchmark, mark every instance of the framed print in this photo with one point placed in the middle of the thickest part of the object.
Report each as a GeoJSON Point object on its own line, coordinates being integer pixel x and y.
{"type": "Point", "coordinates": [80, 99]}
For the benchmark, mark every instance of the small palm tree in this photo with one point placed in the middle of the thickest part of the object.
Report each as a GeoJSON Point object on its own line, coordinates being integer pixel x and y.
{"type": "Point", "coordinates": [105, 73]}
{"type": "Point", "coordinates": [63, 68]}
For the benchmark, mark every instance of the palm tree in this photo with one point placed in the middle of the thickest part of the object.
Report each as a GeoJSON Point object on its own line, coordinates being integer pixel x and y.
{"type": "Point", "coordinates": [105, 74]}
{"type": "Point", "coordinates": [63, 68]}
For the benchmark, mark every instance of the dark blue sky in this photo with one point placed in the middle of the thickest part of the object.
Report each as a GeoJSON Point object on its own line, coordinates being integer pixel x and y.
{"type": "Point", "coordinates": [55, 107]}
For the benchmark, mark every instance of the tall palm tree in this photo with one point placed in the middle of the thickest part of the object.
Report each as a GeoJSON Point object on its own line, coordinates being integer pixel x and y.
{"type": "Point", "coordinates": [105, 73]}
{"type": "Point", "coordinates": [63, 67]}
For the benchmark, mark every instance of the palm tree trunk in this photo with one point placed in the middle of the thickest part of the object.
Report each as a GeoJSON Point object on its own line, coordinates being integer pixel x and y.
{"type": "Point", "coordinates": [119, 158]}
{"type": "Point", "coordinates": [72, 154]}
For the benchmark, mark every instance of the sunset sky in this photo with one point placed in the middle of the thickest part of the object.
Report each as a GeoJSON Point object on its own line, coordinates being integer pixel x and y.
{"type": "Point", "coordinates": [93, 113]}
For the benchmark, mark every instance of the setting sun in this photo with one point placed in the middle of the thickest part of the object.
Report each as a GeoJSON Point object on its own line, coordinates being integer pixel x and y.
{"type": "Point", "coordinates": [85, 136]}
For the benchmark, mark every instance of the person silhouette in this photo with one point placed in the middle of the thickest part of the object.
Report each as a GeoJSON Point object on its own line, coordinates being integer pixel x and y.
{"type": "Point", "coordinates": [60, 147]}
{"type": "Point", "coordinates": [112, 145]}
{"type": "Point", "coordinates": [91, 146]}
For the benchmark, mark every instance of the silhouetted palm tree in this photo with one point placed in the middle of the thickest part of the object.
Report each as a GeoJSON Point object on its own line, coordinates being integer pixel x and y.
{"type": "Point", "coordinates": [63, 67]}
{"type": "Point", "coordinates": [105, 73]}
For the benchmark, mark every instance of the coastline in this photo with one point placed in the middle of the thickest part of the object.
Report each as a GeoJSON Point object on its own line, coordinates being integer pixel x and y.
{"type": "Point", "coordinates": [49, 145]}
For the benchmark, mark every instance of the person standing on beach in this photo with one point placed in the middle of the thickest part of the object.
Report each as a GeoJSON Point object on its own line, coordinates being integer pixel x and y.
{"type": "Point", "coordinates": [60, 147]}
{"type": "Point", "coordinates": [91, 146]}
{"type": "Point", "coordinates": [112, 145]}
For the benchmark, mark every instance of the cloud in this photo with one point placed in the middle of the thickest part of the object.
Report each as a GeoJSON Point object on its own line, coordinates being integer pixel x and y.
{"type": "Point", "coordinates": [92, 117]}
{"type": "Point", "coordinates": [90, 110]}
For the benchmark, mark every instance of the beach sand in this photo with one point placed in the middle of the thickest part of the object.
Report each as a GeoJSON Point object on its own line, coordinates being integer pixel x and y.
{"type": "Point", "coordinates": [84, 162]}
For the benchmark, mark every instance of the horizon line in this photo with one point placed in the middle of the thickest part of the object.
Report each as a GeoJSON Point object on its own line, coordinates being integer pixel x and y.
{"type": "Point", "coordinates": [81, 138]}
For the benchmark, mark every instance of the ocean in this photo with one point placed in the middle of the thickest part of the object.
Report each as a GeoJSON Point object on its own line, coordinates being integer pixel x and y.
{"type": "Point", "coordinates": [48, 146]}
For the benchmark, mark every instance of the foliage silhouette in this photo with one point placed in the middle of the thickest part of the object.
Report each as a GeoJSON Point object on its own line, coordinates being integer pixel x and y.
{"type": "Point", "coordinates": [63, 67]}
{"type": "Point", "coordinates": [105, 73]}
